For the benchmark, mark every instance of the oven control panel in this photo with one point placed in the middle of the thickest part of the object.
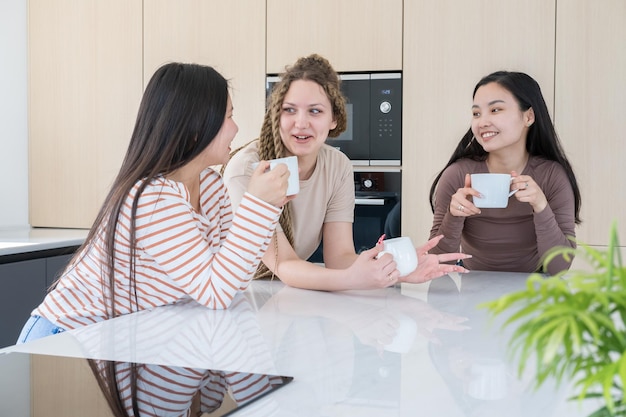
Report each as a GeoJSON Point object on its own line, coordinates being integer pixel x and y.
{"type": "Point", "coordinates": [369, 181]}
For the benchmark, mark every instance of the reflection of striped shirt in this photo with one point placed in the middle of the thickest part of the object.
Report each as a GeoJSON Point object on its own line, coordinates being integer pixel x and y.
{"type": "Point", "coordinates": [169, 391]}
{"type": "Point", "coordinates": [208, 256]}
{"type": "Point", "coordinates": [229, 339]}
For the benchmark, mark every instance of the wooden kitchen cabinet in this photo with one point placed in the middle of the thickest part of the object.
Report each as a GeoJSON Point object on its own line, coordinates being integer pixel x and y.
{"type": "Point", "coordinates": [590, 105]}
{"type": "Point", "coordinates": [54, 399]}
{"type": "Point", "coordinates": [355, 35]}
{"type": "Point", "coordinates": [89, 63]}
{"type": "Point", "coordinates": [85, 84]}
{"type": "Point", "coordinates": [448, 46]}
{"type": "Point", "coordinates": [230, 36]}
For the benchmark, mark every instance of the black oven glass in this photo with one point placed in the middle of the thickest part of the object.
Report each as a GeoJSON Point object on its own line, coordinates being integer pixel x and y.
{"type": "Point", "coordinates": [369, 221]}
{"type": "Point", "coordinates": [370, 213]}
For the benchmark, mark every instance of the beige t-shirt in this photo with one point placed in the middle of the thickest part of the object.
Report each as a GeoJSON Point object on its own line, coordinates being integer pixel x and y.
{"type": "Point", "coordinates": [327, 196]}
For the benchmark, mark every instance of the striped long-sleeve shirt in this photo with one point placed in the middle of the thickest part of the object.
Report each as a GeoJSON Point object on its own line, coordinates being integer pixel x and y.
{"type": "Point", "coordinates": [180, 253]}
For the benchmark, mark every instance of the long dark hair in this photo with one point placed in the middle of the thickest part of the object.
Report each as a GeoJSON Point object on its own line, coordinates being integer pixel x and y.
{"type": "Point", "coordinates": [542, 139]}
{"type": "Point", "coordinates": [182, 110]}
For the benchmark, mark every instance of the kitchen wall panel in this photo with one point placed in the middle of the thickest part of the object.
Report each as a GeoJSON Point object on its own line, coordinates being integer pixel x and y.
{"type": "Point", "coordinates": [590, 105]}
{"type": "Point", "coordinates": [84, 91]}
{"type": "Point", "coordinates": [228, 35]}
{"type": "Point", "coordinates": [355, 35]}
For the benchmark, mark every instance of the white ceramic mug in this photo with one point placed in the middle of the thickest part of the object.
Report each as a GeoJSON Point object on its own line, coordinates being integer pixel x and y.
{"type": "Point", "coordinates": [403, 252]}
{"type": "Point", "coordinates": [494, 188]}
{"type": "Point", "coordinates": [293, 186]}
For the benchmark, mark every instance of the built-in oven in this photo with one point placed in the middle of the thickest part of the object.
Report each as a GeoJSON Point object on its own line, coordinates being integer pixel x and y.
{"type": "Point", "coordinates": [374, 105]}
{"type": "Point", "coordinates": [373, 136]}
{"type": "Point", "coordinates": [377, 196]}
{"type": "Point", "coordinates": [371, 211]}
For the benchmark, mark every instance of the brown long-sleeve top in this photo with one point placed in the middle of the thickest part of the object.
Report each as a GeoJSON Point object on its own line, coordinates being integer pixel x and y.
{"type": "Point", "coordinates": [514, 238]}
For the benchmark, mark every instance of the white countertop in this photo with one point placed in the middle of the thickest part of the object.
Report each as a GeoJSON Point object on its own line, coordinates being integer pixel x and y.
{"type": "Point", "coordinates": [450, 362]}
{"type": "Point", "coordinates": [27, 239]}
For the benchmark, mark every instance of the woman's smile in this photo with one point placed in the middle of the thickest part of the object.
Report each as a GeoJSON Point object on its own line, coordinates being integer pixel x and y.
{"type": "Point", "coordinates": [306, 118]}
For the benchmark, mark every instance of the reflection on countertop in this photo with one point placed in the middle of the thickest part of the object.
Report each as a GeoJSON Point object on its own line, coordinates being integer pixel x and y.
{"type": "Point", "coordinates": [411, 349]}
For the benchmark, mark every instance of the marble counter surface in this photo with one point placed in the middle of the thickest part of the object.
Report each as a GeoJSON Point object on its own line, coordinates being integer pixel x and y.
{"type": "Point", "coordinates": [26, 239]}
{"type": "Point", "coordinates": [409, 350]}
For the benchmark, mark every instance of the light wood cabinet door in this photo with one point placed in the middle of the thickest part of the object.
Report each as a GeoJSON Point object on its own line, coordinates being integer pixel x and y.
{"type": "Point", "coordinates": [227, 35]}
{"type": "Point", "coordinates": [590, 105]}
{"type": "Point", "coordinates": [85, 84]}
{"type": "Point", "coordinates": [50, 378]}
{"type": "Point", "coordinates": [448, 46]}
{"type": "Point", "coordinates": [354, 35]}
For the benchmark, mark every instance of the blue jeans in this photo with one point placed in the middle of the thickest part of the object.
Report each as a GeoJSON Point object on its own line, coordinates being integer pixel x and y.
{"type": "Point", "coordinates": [37, 327]}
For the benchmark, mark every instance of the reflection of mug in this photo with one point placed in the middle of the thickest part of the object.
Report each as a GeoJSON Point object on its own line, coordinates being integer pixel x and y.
{"type": "Point", "coordinates": [403, 252]}
{"type": "Point", "coordinates": [293, 186]}
{"type": "Point", "coordinates": [405, 335]}
{"type": "Point", "coordinates": [487, 380]}
{"type": "Point", "coordinates": [494, 188]}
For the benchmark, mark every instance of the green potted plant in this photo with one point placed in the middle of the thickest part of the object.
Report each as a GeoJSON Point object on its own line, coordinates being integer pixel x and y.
{"type": "Point", "coordinates": [573, 325]}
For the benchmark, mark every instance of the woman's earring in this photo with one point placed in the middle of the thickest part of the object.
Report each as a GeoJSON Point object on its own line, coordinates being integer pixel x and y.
{"type": "Point", "coordinates": [470, 142]}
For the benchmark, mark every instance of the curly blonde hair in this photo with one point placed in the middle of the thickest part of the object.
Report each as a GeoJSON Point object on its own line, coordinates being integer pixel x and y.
{"type": "Point", "coordinates": [311, 68]}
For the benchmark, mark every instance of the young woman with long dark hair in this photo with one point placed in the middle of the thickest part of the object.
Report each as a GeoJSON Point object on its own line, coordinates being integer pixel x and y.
{"type": "Point", "coordinates": [166, 231]}
{"type": "Point", "coordinates": [511, 133]}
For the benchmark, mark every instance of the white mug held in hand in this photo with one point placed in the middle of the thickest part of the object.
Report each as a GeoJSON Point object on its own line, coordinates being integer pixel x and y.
{"type": "Point", "coordinates": [494, 188]}
{"type": "Point", "coordinates": [403, 252]}
{"type": "Point", "coordinates": [293, 186]}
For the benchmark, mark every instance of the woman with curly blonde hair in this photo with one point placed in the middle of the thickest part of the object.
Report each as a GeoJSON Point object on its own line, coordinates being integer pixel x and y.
{"type": "Point", "coordinates": [305, 107]}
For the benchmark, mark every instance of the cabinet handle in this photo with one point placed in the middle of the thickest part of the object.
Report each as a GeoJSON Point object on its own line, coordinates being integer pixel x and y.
{"type": "Point", "coordinates": [369, 201]}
